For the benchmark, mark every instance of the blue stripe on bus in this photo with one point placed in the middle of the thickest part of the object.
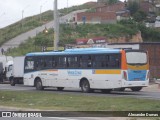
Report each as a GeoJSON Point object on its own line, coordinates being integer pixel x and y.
{"type": "Point", "coordinates": [77, 51]}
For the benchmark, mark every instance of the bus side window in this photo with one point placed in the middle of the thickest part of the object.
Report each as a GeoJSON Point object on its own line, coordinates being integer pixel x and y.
{"type": "Point", "coordinates": [40, 63]}
{"type": "Point", "coordinates": [107, 61]}
{"type": "Point", "coordinates": [89, 64]}
{"type": "Point", "coordinates": [85, 61]}
{"type": "Point", "coordinates": [114, 61]}
{"type": "Point", "coordinates": [99, 61]}
{"type": "Point", "coordinates": [48, 62]}
{"type": "Point", "coordinates": [62, 61]}
{"type": "Point", "coordinates": [54, 63]}
{"type": "Point", "coordinates": [72, 61]}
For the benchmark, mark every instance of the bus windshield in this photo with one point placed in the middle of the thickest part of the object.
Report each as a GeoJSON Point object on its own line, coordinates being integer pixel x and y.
{"type": "Point", "coordinates": [135, 58]}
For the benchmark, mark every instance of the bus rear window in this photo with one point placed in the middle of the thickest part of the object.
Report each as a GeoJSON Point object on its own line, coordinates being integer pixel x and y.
{"type": "Point", "coordinates": [136, 57]}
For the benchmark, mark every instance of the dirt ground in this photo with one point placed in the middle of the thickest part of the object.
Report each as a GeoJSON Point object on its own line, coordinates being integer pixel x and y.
{"type": "Point", "coordinates": [153, 87]}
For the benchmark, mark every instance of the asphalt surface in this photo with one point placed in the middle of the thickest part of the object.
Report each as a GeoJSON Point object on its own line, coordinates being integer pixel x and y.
{"type": "Point", "coordinates": [143, 94]}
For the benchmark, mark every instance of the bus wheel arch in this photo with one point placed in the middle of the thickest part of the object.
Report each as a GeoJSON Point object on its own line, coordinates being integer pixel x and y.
{"type": "Point", "coordinates": [38, 84]}
{"type": "Point", "coordinates": [85, 85]}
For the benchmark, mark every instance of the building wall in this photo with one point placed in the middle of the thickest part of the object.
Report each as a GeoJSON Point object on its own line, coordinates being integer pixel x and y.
{"type": "Point", "coordinates": [95, 17]}
{"type": "Point", "coordinates": [154, 58]}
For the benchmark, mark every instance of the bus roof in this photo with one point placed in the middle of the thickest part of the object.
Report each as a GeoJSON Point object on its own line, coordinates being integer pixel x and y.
{"type": "Point", "coordinates": [76, 51]}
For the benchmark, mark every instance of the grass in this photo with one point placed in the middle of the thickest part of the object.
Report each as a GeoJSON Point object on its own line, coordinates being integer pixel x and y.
{"type": "Point", "coordinates": [58, 101]}
{"type": "Point", "coordinates": [69, 34]}
{"type": "Point", "coordinates": [32, 22]}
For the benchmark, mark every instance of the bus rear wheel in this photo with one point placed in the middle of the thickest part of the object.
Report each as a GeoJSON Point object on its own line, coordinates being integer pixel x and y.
{"type": "Point", "coordinates": [136, 88]}
{"type": "Point", "coordinates": [39, 85]}
{"type": "Point", "coordinates": [85, 86]}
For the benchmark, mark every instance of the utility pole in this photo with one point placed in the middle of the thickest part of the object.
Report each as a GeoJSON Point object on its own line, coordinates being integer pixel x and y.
{"type": "Point", "coordinates": [22, 18]}
{"type": "Point", "coordinates": [40, 13]}
{"type": "Point", "coordinates": [56, 26]}
{"type": "Point", "coordinates": [67, 6]}
{"type": "Point", "coordinates": [23, 15]}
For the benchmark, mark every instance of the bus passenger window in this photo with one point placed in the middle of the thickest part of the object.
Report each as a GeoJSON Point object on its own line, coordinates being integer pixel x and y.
{"type": "Point", "coordinates": [72, 62]}
{"type": "Point", "coordinates": [99, 61]}
{"type": "Point", "coordinates": [85, 61]}
{"type": "Point", "coordinates": [114, 61]}
{"type": "Point", "coordinates": [54, 62]}
{"type": "Point", "coordinates": [39, 63]}
{"type": "Point", "coordinates": [89, 62]}
{"type": "Point", "coordinates": [62, 61]}
{"type": "Point", "coordinates": [47, 63]}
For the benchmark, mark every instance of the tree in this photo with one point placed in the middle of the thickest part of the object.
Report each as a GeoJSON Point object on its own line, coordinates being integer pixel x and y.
{"type": "Point", "coordinates": [139, 16]}
{"type": "Point", "coordinates": [41, 40]}
{"type": "Point", "coordinates": [133, 7]}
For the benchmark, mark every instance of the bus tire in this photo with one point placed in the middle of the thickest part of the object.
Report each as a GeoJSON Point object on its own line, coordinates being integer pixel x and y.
{"type": "Point", "coordinates": [136, 88]}
{"type": "Point", "coordinates": [106, 90]}
{"type": "Point", "coordinates": [60, 88]}
{"type": "Point", "coordinates": [85, 86]}
{"type": "Point", "coordinates": [38, 85]}
{"type": "Point", "coordinates": [12, 82]}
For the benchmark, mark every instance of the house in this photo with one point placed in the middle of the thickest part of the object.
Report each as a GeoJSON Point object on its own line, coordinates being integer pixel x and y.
{"type": "Point", "coordinates": [113, 7]}
{"type": "Point", "coordinates": [147, 6]}
{"type": "Point", "coordinates": [95, 17]}
{"type": "Point", "coordinates": [102, 13]}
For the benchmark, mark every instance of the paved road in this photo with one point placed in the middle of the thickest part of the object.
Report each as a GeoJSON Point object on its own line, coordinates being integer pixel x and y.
{"type": "Point", "coordinates": [15, 42]}
{"type": "Point", "coordinates": [144, 94]}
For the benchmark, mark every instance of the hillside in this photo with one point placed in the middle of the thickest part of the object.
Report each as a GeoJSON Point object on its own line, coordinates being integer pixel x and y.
{"type": "Point", "coordinates": [69, 33]}
{"type": "Point", "coordinates": [32, 22]}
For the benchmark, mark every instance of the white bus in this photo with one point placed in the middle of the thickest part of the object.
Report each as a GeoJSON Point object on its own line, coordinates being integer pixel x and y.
{"type": "Point", "coordinates": [88, 68]}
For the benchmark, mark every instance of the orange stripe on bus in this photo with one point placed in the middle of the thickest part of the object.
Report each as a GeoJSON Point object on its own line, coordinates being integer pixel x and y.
{"type": "Point", "coordinates": [107, 71]}
{"type": "Point", "coordinates": [137, 67]}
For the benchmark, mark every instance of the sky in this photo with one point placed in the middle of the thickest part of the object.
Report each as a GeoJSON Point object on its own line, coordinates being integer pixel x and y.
{"type": "Point", "coordinates": [11, 10]}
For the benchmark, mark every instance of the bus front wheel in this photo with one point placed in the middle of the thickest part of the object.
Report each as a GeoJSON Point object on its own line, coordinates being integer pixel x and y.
{"type": "Point", "coordinates": [85, 87]}
{"type": "Point", "coordinates": [39, 85]}
{"type": "Point", "coordinates": [136, 88]}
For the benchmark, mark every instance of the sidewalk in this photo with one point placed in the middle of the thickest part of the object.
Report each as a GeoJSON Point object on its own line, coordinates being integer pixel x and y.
{"type": "Point", "coordinates": [153, 87]}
